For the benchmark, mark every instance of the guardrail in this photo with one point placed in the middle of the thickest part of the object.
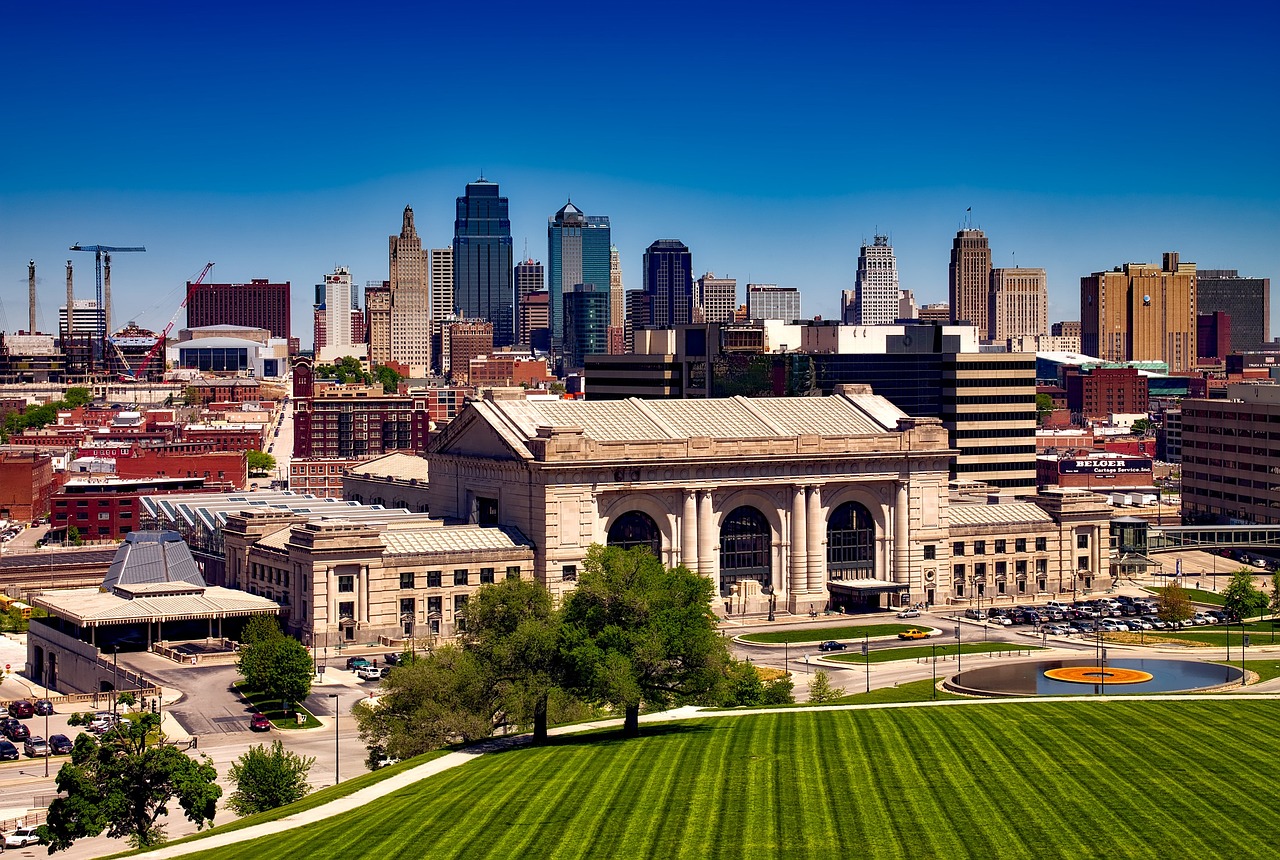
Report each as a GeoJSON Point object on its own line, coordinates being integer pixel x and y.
{"type": "Point", "coordinates": [973, 655]}
{"type": "Point", "coordinates": [35, 817]}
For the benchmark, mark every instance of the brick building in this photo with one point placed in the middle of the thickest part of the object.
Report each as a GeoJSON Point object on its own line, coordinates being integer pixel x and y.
{"type": "Point", "coordinates": [108, 508]}
{"type": "Point", "coordinates": [26, 484]}
{"type": "Point", "coordinates": [319, 476]}
{"type": "Point", "coordinates": [1104, 391]}
{"type": "Point", "coordinates": [1096, 472]}
{"type": "Point", "coordinates": [507, 369]}
{"type": "Point", "coordinates": [259, 303]}
{"type": "Point", "coordinates": [467, 340]}
{"type": "Point", "coordinates": [354, 422]}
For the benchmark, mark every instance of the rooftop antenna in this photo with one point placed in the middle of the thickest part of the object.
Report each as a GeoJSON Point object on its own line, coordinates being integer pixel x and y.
{"type": "Point", "coordinates": [526, 247]}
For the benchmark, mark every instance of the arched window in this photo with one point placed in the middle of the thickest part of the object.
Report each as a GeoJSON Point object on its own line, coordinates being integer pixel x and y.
{"type": "Point", "coordinates": [636, 528]}
{"type": "Point", "coordinates": [746, 545]}
{"type": "Point", "coordinates": [851, 540]}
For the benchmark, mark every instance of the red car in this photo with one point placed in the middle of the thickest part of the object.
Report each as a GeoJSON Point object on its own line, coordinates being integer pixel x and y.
{"type": "Point", "coordinates": [260, 723]}
{"type": "Point", "coordinates": [22, 709]}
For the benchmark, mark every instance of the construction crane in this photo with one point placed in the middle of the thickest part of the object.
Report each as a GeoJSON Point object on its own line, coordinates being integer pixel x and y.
{"type": "Point", "coordinates": [101, 252]}
{"type": "Point", "coordinates": [164, 336]}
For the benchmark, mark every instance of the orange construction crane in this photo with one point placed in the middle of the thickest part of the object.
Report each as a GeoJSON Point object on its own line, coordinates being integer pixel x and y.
{"type": "Point", "coordinates": [164, 336]}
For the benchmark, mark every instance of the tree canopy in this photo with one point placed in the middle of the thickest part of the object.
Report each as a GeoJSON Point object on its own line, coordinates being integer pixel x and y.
{"type": "Point", "coordinates": [124, 784]}
{"type": "Point", "coordinates": [1241, 598]}
{"type": "Point", "coordinates": [261, 463]}
{"type": "Point", "coordinates": [1174, 605]}
{"type": "Point", "coordinates": [36, 416]}
{"type": "Point", "coordinates": [273, 663]}
{"type": "Point", "coordinates": [267, 778]}
{"type": "Point", "coordinates": [637, 632]}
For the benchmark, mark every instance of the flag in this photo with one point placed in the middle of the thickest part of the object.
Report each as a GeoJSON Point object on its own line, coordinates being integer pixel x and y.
{"type": "Point", "coordinates": [970, 209]}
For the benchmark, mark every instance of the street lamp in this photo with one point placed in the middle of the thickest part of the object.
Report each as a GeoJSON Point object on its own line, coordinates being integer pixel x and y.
{"type": "Point", "coordinates": [115, 684]}
{"type": "Point", "coordinates": [409, 620]}
{"type": "Point", "coordinates": [46, 740]}
{"type": "Point", "coordinates": [336, 773]}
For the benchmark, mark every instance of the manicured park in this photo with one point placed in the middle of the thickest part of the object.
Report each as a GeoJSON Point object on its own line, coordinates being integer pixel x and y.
{"type": "Point", "coordinates": [812, 635]}
{"type": "Point", "coordinates": [992, 779]}
{"type": "Point", "coordinates": [917, 652]}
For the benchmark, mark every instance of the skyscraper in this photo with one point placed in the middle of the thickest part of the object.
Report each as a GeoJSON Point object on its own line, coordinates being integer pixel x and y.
{"type": "Point", "coordinates": [482, 259]}
{"type": "Point", "coordinates": [257, 304]}
{"type": "Point", "coordinates": [772, 302]}
{"type": "Point", "coordinates": [617, 294]}
{"type": "Point", "coordinates": [577, 253]}
{"type": "Point", "coordinates": [1141, 312]}
{"type": "Point", "coordinates": [668, 282]}
{"type": "Point", "coordinates": [969, 279]}
{"type": "Point", "coordinates": [586, 324]}
{"type": "Point", "coordinates": [1018, 304]}
{"type": "Point", "coordinates": [715, 299]}
{"type": "Point", "coordinates": [410, 328]}
{"type": "Point", "coordinates": [333, 335]}
{"type": "Point", "coordinates": [529, 279]}
{"type": "Point", "coordinates": [876, 284]}
{"type": "Point", "coordinates": [377, 306]}
{"type": "Point", "coordinates": [1247, 301]}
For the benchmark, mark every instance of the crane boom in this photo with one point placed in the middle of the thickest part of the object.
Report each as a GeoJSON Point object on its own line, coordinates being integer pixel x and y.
{"type": "Point", "coordinates": [98, 252]}
{"type": "Point", "coordinates": [164, 337]}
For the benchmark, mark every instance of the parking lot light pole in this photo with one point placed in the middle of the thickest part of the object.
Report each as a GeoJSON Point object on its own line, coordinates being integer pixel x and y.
{"type": "Point", "coordinates": [933, 694]}
{"type": "Point", "coordinates": [957, 649]}
{"type": "Point", "coordinates": [336, 749]}
{"type": "Point", "coordinates": [46, 742]}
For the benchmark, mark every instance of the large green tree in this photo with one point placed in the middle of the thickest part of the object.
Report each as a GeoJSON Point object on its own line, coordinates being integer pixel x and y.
{"type": "Point", "coordinates": [266, 778]}
{"type": "Point", "coordinates": [512, 629]}
{"type": "Point", "coordinates": [261, 463]}
{"type": "Point", "coordinates": [1241, 598]}
{"type": "Point", "coordinates": [271, 662]}
{"type": "Point", "coordinates": [1174, 606]}
{"type": "Point", "coordinates": [637, 632]}
{"type": "Point", "coordinates": [125, 784]}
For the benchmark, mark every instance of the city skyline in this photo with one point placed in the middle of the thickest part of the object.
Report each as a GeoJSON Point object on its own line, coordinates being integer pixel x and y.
{"type": "Point", "coordinates": [271, 169]}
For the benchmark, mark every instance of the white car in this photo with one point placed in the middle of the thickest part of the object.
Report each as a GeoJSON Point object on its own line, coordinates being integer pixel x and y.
{"type": "Point", "coordinates": [909, 613]}
{"type": "Point", "coordinates": [369, 673]}
{"type": "Point", "coordinates": [22, 837]}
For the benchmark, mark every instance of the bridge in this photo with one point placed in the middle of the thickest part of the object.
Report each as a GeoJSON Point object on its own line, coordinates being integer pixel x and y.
{"type": "Point", "coordinates": [1173, 538]}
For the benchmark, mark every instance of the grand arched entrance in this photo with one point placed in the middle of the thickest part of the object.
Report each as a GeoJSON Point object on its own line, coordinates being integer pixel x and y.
{"type": "Point", "coordinates": [746, 548]}
{"type": "Point", "coordinates": [636, 528]}
{"type": "Point", "coordinates": [851, 560]}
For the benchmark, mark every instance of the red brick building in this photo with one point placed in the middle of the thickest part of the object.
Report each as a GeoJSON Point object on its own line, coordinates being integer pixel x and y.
{"type": "Point", "coordinates": [257, 304]}
{"type": "Point", "coordinates": [26, 485]}
{"type": "Point", "coordinates": [224, 437]}
{"type": "Point", "coordinates": [1097, 472]}
{"type": "Point", "coordinates": [220, 470]}
{"type": "Point", "coordinates": [1104, 391]}
{"type": "Point", "coordinates": [319, 476]}
{"type": "Point", "coordinates": [107, 508]}
{"type": "Point", "coordinates": [467, 340]}
{"type": "Point", "coordinates": [354, 422]}
{"type": "Point", "coordinates": [504, 369]}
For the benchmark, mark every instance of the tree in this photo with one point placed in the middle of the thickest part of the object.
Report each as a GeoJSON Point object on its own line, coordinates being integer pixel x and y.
{"type": "Point", "coordinates": [347, 369]}
{"type": "Point", "coordinates": [512, 629]}
{"type": "Point", "coordinates": [389, 378]}
{"type": "Point", "coordinates": [1174, 606]}
{"type": "Point", "coordinates": [637, 632]}
{"type": "Point", "coordinates": [1141, 426]}
{"type": "Point", "coordinates": [261, 463]}
{"type": "Point", "coordinates": [1241, 599]}
{"type": "Point", "coordinates": [1274, 605]}
{"type": "Point", "coordinates": [443, 698]}
{"type": "Point", "coordinates": [73, 536]}
{"type": "Point", "coordinates": [125, 784]}
{"type": "Point", "coordinates": [273, 663]}
{"type": "Point", "coordinates": [77, 396]}
{"type": "Point", "coordinates": [820, 690]}
{"type": "Point", "coordinates": [268, 778]}
{"type": "Point", "coordinates": [1044, 405]}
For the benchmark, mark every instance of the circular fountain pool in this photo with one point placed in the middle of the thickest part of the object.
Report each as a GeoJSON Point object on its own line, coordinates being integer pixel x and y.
{"type": "Point", "coordinates": [1076, 677]}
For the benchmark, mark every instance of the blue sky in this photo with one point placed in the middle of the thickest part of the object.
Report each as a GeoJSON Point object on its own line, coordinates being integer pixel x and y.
{"type": "Point", "coordinates": [279, 142]}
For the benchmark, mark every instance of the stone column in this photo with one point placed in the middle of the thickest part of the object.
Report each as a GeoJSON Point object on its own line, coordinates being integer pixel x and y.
{"type": "Point", "coordinates": [331, 597]}
{"type": "Point", "coordinates": [707, 555]}
{"type": "Point", "coordinates": [901, 537]}
{"type": "Point", "coordinates": [816, 541]}
{"type": "Point", "coordinates": [799, 553]}
{"type": "Point", "coordinates": [364, 594]}
{"type": "Point", "coordinates": [689, 532]}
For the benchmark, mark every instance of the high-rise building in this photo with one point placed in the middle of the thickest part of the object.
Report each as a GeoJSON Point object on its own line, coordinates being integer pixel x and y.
{"type": "Point", "coordinates": [876, 284]}
{"type": "Point", "coordinates": [848, 304]}
{"type": "Point", "coordinates": [1066, 328]}
{"type": "Point", "coordinates": [617, 294]}
{"type": "Point", "coordinates": [936, 312]}
{"type": "Point", "coordinates": [577, 253]}
{"type": "Point", "coordinates": [333, 335]}
{"type": "Point", "coordinates": [535, 321]}
{"type": "Point", "coordinates": [668, 281]}
{"type": "Point", "coordinates": [442, 304]}
{"type": "Point", "coordinates": [467, 339]}
{"type": "Point", "coordinates": [482, 259]}
{"type": "Point", "coordinates": [410, 311]}
{"type": "Point", "coordinates": [907, 307]}
{"type": "Point", "coordinates": [377, 305]}
{"type": "Point", "coordinates": [639, 315]}
{"type": "Point", "coordinates": [257, 304]}
{"type": "Point", "coordinates": [715, 298]}
{"type": "Point", "coordinates": [1247, 301]}
{"type": "Point", "coordinates": [969, 279]}
{"type": "Point", "coordinates": [1018, 304]}
{"type": "Point", "coordinates": [586, 324]}
{"type": "Point", "coordinates": [529, 280]}
{"type": "Point", "coordinates": [772, 302]}
{"type": "Point", "coordinates": [87, 318]}
{"type": "Point", "coordinates": [1141, 312]}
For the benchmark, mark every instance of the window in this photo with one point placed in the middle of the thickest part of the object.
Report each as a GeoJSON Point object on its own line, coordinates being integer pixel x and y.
{"type": "Point", "coordinates": [1020, 567]}
{"type": "Point", "coordinates": [460, 577]}
{"type": "Point", "coordinates": [433, 579]}
{"type": "Point", "coordinates": [1002, 568]}
{"type": "Point", "coordinates": [957, 570]}
{"type": "Point", "coordinates": [459, 603]}
{"type": "Point", "coordinates": [1042, 566]}
{"type": "Point", "coordinates": [347, 609]}
{"type": "Point", "coordinates": [930, 552]}
{"type": "Point", "coordinates": [486, 511]}
{"type": "Point", "coordinates": [408, 606]}
{"type": "Point", "coordinates": [980, 570]}
{"type": "Point", "coordinates": [1082, 562]}
{"type": "Point", "coordinates": [1020, 545]}
{"type": "Point", "coordinates": [979, 547]}
{"type": "Point", "coordinates": [569, 573]}
{"type": "Point", "coordinates": [1042, 544]}
{"type": "Point", "coordinates": [406, 579]}
{"type": "Point", "coordinates": [434, 605]}
{"type": "Point", "coordinates": [1001, 545]}
{"type": "Point", "coordinates": [513, 571]}
{"type": "Point", "coordinates": [346, 584]}
{"type": "Point", "coordinates": [957, 548]}
{"type": "Point", "coordinates": [486, 576]}
{"type": "Point", "coordinates": [1082, 541]}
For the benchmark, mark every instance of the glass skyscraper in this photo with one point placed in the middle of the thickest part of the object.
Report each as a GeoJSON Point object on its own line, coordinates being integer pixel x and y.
{"type": "Point", "coordinates": [482, 259]}
{"type": "Point", "coordinates": [668, 281]}
{"type": "Point", "coordinates": [586, 324]}
{"type": "Point", "coordinates": [577, 253]}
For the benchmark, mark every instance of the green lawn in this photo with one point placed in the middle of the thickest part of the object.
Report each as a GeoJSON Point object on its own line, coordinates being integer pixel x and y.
{"type": "Point", "coordinates": [915, 652]}
{"type": "Point", "coordinates": [813, 635]}
{"type": "Point", "coordinates": [271, 707]}
{"type": "Point", "coordinates": [1260, 633]}
{"type": "Point", "coordinates": [1017, 780]}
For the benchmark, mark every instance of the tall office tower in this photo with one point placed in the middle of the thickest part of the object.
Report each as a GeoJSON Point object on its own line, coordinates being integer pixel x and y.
{"type": "Point", "coordinates": [715, 298]}
{"type": "Point", "coordinates": [1018, 304]}
{"type": "Point", "coordinates": [1066, 328]}
{"type": "Point", "coordinates": [257, 304]}
{"type": "Point", "coordinates": [639, 315]}
{"type": "Point", "coordinates": [772, 302]}
{"type": "Point", "coordinates": [377, 306]}
{"type": "Point", "coordinates": [482, 260]}
{"type": "Point", "coordinates": [668, 282]}
{"type": "Point", "coordinates": [848, 301]}
{"type": "Point", "coordinates": [907, 307]}
{"type": "Point", "coordinates": [529, 280]}
{"type": "Point", "coordinates": [333, 336]}
{"type": "Point", "coordinates": [87, 320]}
{"type": "Point", "coordinates": [535, 322]}
{"type": "Point", "coordinates": [442, 305]}
{"type": "Point", "coordinates": [467, 339]}
{"type": "Point", "coordinates": [969, 279]}
{"type": "Point", "coordinates": [586, 324]}
{"type": "Point", "coordinates": [1141, 312]}
{"type": "Point", "coordinates": [577, 253]}
{"type": "Point", "coordinates": [1246, 300]}
{"type": "Point", "coordinates": [617, 295]}
{"type": "Point", "coordinates": [876, 284]}
{"type": "Point", "coordinates": [410, 307]}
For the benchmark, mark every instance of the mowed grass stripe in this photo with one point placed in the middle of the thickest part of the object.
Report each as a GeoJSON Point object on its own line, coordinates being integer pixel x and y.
{"type": "Point", "coordinates": [679, 779]}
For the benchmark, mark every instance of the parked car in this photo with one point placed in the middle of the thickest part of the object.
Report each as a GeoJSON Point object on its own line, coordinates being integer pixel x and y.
{"type": "Point", "coordinates": [354, 663]}
{"type": "Point", "coordinates": [259, 723]}
{"type": "Point", "coordinates": [44, 708]}
{"type": "Point", "coordinates": [60, 744]}
{"type": "Point", "coordinates": [22, 709]}
{"type": "Point", "coordinates": [909, 613]}
{"type": "Point", "coordinates": [8, 752]}
{"type": "Point", "coordinates": [36, 747]}
{"type": "Point", "coordinates": [976, 614]}
{"type": "Point", "coordinates": [391, 659]}
{"type": "Point", "coordinates": [1140, 624]}
{"type": "Point", "coordinates": [16, 731]}
{"type": "Point", "coordinates": [1058, 630]}
{"type": "Point", "coordinates": [1002, 620]}
{"type": "Point", "coordinates": [914, 633]}
{"type": "Point", "coordinates": [832, 645]}
{"type": "Point", "coordinates": [23, 836]}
